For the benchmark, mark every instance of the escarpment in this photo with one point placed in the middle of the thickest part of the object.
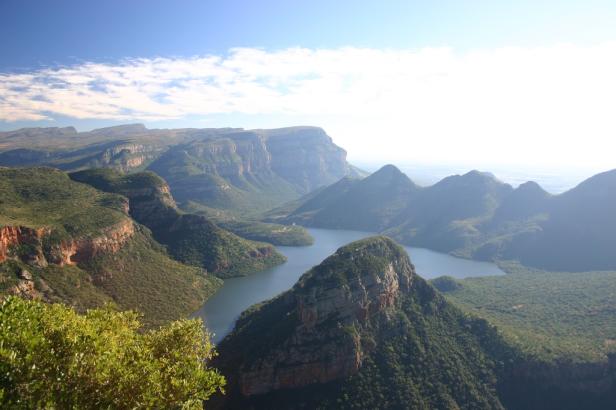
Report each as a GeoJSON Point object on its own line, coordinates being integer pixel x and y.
{"type": "Point", "coordinates": [190, 238]}
{"type": "Point", "coordinates": [231, 169]}
{"type": "Point", "coordinates": [248, 171]}
{"type": "Point", "coordinates": [41, 246]}
{"type": "Point", "coordinates": [79, 245]}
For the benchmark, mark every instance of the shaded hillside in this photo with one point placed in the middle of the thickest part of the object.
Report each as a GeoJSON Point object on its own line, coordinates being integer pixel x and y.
{"type": "Point", "coordinates": [361, 330]}
{"type": "Point", "coordinates": [64, 241]}
{"type": "Point", "coordinates": [223, 168]}
{"type": "Point", "coordinates": [476, 216]}
{"type": "Point", "coordinates": [579, 231]}
{"type": "Point", "coordinates": [191, 239]}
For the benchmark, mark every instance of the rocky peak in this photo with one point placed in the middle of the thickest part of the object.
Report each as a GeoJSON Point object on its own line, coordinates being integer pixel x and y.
{"type": "Point", "coordinates": [314, 328]}
{"type": "Point", "coordinates": [390, 176]}
{"type": "Point", "coordinates": [359, 280]}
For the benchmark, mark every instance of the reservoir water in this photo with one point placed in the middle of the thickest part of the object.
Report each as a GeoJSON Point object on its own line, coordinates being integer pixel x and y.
{"type": "Point", "coordinates": [237, 294]}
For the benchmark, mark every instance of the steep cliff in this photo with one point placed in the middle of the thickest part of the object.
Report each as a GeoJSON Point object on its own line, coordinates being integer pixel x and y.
{"type": "Point", "coordinates": [191, 239]}
{"type": "Point", "coordinates": [360, 330]}
{"type": "Point", "coordinates": [250, 171]}
{"type": "Point", "coordinates": [223, 168]}
{"type": "Point", "coordinates": [79, 245]}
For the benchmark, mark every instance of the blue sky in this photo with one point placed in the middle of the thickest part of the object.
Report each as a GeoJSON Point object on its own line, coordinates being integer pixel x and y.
{"type": "Point", "coordinates": [41, 33]}
{"type": "Point", "coordinates": [482, 77]}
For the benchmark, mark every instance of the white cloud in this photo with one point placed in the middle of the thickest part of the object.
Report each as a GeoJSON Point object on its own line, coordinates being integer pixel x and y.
{"type": "Point", "coordinates": [536, 104]}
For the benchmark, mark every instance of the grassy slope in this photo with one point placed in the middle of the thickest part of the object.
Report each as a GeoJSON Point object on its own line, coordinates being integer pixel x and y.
{"type": "Point", "coordinates": [140, 276]}
{"type": "Point", "coordinates": [548, 314]}
{"type": "Point", "coordinates": [36, 197]}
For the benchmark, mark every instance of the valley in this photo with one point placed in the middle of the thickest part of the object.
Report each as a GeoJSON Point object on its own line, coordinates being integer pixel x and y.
{"type": "Point", "coordinates": [506, 300]}
{"type": "Point", "coordinates": [238, 294]}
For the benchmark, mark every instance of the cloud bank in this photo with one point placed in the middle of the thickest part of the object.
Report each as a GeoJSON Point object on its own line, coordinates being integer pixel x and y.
{"type": "Point", "coordinates": [437, 102]}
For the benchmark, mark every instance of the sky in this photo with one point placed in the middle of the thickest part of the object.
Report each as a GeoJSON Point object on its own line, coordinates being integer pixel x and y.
{"type": "Point", "coordinates": [524, 83]}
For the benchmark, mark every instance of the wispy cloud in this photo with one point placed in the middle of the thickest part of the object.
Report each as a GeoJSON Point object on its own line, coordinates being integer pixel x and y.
{"type": "Point", "coordinates": [521, 93]}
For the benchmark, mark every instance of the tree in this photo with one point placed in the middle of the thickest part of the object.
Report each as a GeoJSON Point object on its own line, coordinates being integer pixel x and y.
{"type": "Point", "coordinates": [53, 357]}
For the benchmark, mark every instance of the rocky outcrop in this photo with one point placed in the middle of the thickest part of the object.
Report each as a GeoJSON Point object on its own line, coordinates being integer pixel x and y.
{"type": "Point", "coordinates": [80, 250]}
{"type": "Point", "coordinates": [24, 243]}
{"type": "Point", "coordinates": [25, 288]}
{"type": "Point", "coordinates": [37, 247]}
{"type": "Point", "coordinates": [327, 309]}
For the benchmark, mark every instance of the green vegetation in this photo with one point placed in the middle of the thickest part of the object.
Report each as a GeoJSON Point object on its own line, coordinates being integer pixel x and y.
{"type": "Point", "coordinates": [132, 271]}
{"type": "Point", "coordinates": [37, 197]}
{"type": "Point", "coordinates": [191, 239]}
{"type": "Point", "coordinates": [417, 352]}
{"type": "Point", "coordinates": [196, 241]}
{"type": "Point", "coordinates": [52, 357]}
{"type": "Point", "coordinates": [141, 277]}
{"type": "Point", "coordinates": [210, 172]}
{"type": "Point", "coordinates": [276, 234]}
{"type": "Point", "coordinates": [548, 315]}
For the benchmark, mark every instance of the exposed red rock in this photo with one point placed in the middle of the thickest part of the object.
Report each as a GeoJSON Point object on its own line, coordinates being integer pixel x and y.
{"type": "Point", "coordinates": [70, 252]}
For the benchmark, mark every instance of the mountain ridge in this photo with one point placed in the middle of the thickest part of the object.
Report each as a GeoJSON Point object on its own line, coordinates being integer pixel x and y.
{"type": "Point", "coordinates": [476, 216]}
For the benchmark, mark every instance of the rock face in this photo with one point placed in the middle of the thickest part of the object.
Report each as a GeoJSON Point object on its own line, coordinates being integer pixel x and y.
{"type": "Point", "coordinates": [79, 246]}
{"type": "Point", "coordinates": [297, 363]}
{"type": "Point", "coordinates": [346, 325]}
{"type": "Point", "coordinates": [225, 168]}
{"type": "Point", "coordinates": [252, 170]}
{"type": "Point", "coordinates": [33, 247]}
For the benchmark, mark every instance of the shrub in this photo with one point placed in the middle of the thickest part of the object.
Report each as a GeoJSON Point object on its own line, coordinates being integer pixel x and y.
{"type": "Point", "coordinates": [53, 357]}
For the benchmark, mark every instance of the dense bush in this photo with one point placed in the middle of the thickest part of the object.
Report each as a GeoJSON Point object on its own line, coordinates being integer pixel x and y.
{"type": "Point", "coordinates": [52, 357]}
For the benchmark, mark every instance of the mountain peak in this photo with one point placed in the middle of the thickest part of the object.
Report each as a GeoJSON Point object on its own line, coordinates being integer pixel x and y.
{"type": "Point", "coordinates": [361, 257]}
{"type": "Point", "coordinates": [389, 173]}
{"type": "Point", "coordinates": [531, 187]}
{"type": "Point", "coordinates": [480, 174]}
{"type": "Point", "coordinates": [360, 281]}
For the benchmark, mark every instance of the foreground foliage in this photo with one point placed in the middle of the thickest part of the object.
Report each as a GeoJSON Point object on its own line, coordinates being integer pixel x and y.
{"type": "Point", "coordinates": [52, 357]}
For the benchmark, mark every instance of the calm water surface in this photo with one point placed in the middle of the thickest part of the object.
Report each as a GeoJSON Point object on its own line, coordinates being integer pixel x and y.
{"type": "Point", "coordinates": [237, 294]}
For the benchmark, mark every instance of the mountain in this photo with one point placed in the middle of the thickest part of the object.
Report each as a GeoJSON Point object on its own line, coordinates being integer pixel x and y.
{"type": "Point", "coordinates": [579, 231]}
{"type": "Point", "coordinates": [222, 168]}
{"type": "Point", "coordinates": [375, 200]}
{"type": "Point", "coordinates": [249, 171]}
{"type": "Point", "coordinates": [360, 330]}
{"type": "Point", "coordinates": [443, 216]}
{"type": "Point", "coordinates": [474, 215]}
{"type": "Point", "coordinates": [65, 241]}
{"type": "Point", "coordinates": [191, 239]}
